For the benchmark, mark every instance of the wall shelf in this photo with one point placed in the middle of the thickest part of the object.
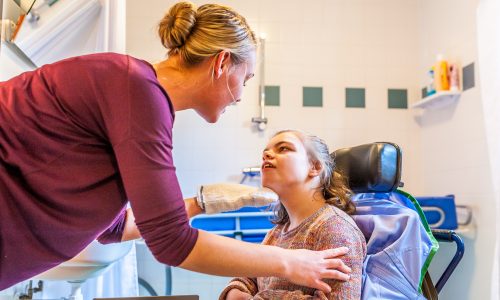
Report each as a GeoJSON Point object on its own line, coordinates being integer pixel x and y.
{"type": "Point", "coordinates": [439, 99]}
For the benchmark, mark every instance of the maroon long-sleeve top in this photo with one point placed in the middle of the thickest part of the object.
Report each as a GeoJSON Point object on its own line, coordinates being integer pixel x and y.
{"type": "Point", "coordinates": [78, 139]}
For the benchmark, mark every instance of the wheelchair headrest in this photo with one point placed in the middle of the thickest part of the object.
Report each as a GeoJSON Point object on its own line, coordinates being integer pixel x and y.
{"type": "Point", "coordinates": [370, 168]}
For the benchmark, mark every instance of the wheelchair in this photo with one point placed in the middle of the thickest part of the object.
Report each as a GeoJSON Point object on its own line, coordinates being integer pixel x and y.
{"type": "Point", "coordinates": [376, 168]}
{"type": "Point", "coordinates": [370, 169]}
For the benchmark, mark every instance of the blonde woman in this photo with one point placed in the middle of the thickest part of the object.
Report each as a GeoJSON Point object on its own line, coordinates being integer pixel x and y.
{"type": "Point", "coordinates": [82, 137]}
{"type": "Point", "coordinates": [313, 214]}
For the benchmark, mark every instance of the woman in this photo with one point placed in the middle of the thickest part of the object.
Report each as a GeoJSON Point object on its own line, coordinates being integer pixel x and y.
{"type": "Point", "coordinates": [313, 214]}
{"type": "Point", "coordinates": [81, 137]}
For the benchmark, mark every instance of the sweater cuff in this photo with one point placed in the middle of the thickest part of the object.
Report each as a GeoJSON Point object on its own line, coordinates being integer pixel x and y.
{"type": "Point", "coordinates": [238, 285]}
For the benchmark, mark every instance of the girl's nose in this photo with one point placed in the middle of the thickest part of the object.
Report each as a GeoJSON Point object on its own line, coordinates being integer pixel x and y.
{"type": "Point", "coordinates": [266, 155]}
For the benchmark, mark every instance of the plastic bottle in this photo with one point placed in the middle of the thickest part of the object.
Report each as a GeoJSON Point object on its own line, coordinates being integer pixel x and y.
{"type": "Point", "coordinates": [441, 82]}
{"type": "Point", "coordinates": [430, 89]}
{"type": "Point", "coordinates": [454, 78]}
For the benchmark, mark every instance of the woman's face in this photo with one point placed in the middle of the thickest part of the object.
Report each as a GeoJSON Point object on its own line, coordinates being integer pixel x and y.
{"type": "Point", "coordinates": [226, 89]}
{"type": "Point", "coordinates": [285, 162]}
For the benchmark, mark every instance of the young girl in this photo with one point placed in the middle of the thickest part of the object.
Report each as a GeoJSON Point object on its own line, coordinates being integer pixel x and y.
{"type": "Point", "coordinates": [313, 214]}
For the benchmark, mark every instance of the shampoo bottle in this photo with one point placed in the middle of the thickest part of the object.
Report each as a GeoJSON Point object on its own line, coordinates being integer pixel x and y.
{"type": "Point", "coordinates": [454, 78]}
{"type": "Point", "coordinates": [441, 81]}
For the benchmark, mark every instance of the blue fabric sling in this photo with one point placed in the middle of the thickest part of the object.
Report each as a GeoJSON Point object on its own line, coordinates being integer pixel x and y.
{"type": "Point", "coordinates": [399, 246]}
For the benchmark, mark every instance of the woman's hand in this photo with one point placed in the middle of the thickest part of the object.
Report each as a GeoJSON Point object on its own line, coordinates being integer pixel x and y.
{"type": "Point", "coordinates": [309, 268]}
{"type": "Point", "coordinates": [236, 294]}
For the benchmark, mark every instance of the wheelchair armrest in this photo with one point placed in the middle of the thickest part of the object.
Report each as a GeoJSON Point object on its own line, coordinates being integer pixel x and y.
{"type": "Point", "coordinates": [449, 236]}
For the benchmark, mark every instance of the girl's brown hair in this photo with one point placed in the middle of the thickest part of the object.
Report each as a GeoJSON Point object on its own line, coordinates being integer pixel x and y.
{"type": "Point", "coordinates": [333, 185]}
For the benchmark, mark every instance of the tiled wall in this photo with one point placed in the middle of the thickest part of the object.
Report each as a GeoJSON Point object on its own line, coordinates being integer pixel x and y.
{"type": "Point", "coordinates": [454, 149]}
{"type": "Point", "coordinates": [329, 68]}
{"type": "Point", "coordinates": [313, 48]}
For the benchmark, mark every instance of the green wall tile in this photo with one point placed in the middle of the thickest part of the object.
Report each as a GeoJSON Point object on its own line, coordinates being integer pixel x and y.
{"type": "Point", "coordinates": [272, 95]}
{"type": "Point", "coordinates": [424, 92]}
{"type": "Point", "coordinates": [398, 98]}
{"type": "Point", "coordinates": [468, 76]}
{"type": "Point", "coordinates": [354, 97]}
{"type": "Point", "coordinates": [312, 96]}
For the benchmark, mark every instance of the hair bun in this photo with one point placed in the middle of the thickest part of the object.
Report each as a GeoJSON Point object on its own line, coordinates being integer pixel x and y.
{"type": "Point", "coordinates": [177, 24]}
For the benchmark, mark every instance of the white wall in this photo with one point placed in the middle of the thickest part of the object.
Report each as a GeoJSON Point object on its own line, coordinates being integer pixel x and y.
{"type": "Point", "coordinates": [333, 44]}
{"type": "Point", "coordinates": [454, 148]}
{"type": "Point", "coordinates": [488, 22]}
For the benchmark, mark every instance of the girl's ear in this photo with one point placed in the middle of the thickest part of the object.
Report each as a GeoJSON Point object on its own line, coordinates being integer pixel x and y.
{"type": "Point", "coordinates": [221, 63]}
{"type": "Point", "coordinates": [315, 169]}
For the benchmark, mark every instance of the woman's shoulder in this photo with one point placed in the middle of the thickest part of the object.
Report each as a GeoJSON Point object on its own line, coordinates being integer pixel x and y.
{"type": "Point", "coordinates": [106, 63]}
{"type": "Point", "coordinates": [98, 67]}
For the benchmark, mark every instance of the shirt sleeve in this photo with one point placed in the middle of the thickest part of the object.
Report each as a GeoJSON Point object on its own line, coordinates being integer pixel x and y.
{"type": "Point", "coordinates": [114, 232]}
{"type": "Point", "coordinates": [140, 130]}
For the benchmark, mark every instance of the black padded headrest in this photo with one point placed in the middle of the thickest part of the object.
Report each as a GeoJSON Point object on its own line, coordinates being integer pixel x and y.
{"type": "Point", "coordinates": [370, 168]}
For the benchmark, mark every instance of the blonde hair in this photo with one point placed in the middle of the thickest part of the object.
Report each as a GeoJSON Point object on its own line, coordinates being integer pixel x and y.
{"type": "Point", "coordinates": [333, 185]}
{"type": "Point", "coordinates": [198, 33]}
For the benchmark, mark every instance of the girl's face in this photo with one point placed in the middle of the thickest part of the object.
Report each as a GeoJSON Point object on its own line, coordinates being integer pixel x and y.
{"type": "Point", "coordinates": [226, 89]}
{"type": "Point", "coordinates": [285, 162]}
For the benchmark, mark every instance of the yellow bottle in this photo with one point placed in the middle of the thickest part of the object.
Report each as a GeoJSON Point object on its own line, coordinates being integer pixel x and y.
{"type": "Point", "coordinates": [441, 80]}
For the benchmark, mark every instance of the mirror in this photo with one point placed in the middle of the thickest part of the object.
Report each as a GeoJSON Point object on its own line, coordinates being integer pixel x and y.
{"type": "Point", "coordinates": [14, 13]}
{"type": "Point", "coordinates": [44, 31]}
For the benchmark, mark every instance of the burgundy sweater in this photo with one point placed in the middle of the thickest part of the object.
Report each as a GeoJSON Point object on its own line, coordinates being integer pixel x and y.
{"type": "Point", "coordinates": [78, 139]}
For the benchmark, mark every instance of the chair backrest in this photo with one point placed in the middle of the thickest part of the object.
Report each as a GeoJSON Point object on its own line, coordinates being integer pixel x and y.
{"type": "Point", "coordinates": [375, 168]}
{"type": "Point", "coordinates": [370, 168]}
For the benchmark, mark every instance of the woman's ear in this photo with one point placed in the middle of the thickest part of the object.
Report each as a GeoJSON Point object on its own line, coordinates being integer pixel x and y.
{"type": "Point", "coordinates": [315, 169]}
{"type": "Point", "coordinates": [222, 61]}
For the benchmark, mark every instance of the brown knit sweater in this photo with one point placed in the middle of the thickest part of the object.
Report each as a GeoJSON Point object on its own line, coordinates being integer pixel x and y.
{"type": "Point", "coordinates": [329, 227]}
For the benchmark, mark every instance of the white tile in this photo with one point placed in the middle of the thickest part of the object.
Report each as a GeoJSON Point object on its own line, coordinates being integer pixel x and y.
{"type": "Point", "coordinates": [273, 32]}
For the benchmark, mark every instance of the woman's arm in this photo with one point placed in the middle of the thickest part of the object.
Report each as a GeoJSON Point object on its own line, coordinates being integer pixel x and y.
{"type": "Point", "coordinates": [131, 232]}
{"type": "Point", "coordinates": [228, 257]}
{"type": "Point", "coordinates": [224, 256]}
